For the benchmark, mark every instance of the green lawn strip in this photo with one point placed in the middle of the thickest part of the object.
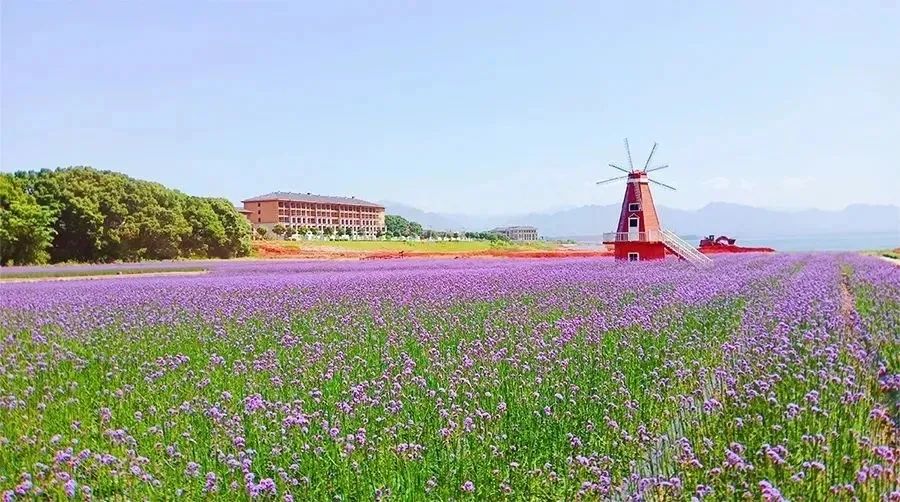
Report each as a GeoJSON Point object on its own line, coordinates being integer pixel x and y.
{"type": "Point", "coordinates": [419, 246]}
{"type": "Point", "coordinates": [48, 274]}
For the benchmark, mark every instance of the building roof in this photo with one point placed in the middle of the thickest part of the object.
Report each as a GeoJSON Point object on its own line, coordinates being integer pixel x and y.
{"type": "Point", "coordinates": [242, 210]}
{"type": "Point", "coordinates": [308, 197]}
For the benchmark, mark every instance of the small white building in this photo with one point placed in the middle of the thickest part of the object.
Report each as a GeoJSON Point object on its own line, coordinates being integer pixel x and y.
{"type": "Point", "coordinates": [518, 233]}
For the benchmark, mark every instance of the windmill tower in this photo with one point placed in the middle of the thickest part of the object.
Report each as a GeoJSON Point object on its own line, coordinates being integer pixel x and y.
{"type": "Point", "coordinates": [639, 235]}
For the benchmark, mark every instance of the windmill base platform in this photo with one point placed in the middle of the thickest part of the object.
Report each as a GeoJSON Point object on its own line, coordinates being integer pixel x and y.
{"type": "Point", "coordinates": [655, 245]}
{"type": "Point", "coordinates": [639, 251]}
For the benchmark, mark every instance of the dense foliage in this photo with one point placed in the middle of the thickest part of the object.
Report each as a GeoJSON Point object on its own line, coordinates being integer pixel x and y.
{"type": "Point", "coordinates": [762, 378]}
{"type": "Point", "coordinates": [398, 226]}
{"type": "Point", "coordinates": [88, 215]}
{"type": "Point", "coordinates": [26, 227]}
{"type": "Point", "coordinates": [288, 231]}
{"type": "Point", "coordinates": [488, 236]}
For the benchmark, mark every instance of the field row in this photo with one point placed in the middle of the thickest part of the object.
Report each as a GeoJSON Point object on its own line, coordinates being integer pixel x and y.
{"type": "Point", "coordinates": [766, 376]}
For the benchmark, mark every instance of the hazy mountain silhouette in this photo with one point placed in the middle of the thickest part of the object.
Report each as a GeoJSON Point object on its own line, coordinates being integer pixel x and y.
{"type": "Point", "coordinates": [716, 218]}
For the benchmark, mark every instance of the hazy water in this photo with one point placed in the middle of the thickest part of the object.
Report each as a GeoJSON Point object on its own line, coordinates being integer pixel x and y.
{"type": "Point", "coordinates": [829, 242]}
{"type": "Point", "coordinates": [821, 242]}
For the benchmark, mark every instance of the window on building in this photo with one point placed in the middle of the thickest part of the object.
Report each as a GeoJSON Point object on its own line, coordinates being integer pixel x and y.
{"type": "Point", "coordinates": [634, 257]}
{"type": "Point", "coordinates": [634, 206]}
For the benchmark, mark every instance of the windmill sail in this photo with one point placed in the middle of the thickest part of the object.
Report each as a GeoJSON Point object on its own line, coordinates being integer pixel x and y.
{"type": "Point", "coordinates": [603, 182]}
{"type": "Point", "coordinates": [628, 151]}
{"type": "Point", "coordinates": [642, 172]}
{"type": "Point", "coordinates": [661, 184]}
{"type": "Point", "coordinates": [652, 150]}
{"type": "Point", "coordinates": [619, 168]}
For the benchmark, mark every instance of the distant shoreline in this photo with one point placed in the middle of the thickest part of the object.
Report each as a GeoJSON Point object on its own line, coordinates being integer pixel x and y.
{"type": "Point", "coordinates": [829, 242]}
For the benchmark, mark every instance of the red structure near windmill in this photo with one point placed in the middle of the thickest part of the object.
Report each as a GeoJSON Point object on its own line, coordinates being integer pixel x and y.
{"type": "Point", "coordinates": [639, 235]}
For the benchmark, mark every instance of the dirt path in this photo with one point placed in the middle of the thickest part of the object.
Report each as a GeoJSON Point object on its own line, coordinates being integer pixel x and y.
{"type": "Point", "coordinates": [846, 302]}
{"type": "Point", "coordinates": [101, 276]}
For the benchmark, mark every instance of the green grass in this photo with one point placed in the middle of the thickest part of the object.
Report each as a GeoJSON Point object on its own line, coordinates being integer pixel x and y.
{"type": "Point", "coordinates": [61, 273]}
{"type": "Point", "coordinates": [893, 254]}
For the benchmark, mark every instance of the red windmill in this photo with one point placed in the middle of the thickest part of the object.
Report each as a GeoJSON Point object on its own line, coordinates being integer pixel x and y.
{"type": "Point", "coordinates": [639, 235]}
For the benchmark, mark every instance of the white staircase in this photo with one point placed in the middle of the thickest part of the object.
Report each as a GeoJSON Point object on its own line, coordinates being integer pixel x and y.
{"type": "Point", "coordinates": [684, 250]}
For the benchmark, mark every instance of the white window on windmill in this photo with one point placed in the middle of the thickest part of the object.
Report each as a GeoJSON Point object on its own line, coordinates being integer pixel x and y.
{"type": "Point", "coordinates": [634, 257]}
{"type": "Point", "coordinates": [634, 206]}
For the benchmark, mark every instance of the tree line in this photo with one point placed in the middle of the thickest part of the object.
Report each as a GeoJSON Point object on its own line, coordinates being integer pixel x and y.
{"type": "Point", "coordinates": [395, 226]}
{"type": "Point", "coordinates": [86, 215]}
{"type": "Point", "coordinates": [398, 226]}
{"type": "Point", "coordinates": [288, 231]}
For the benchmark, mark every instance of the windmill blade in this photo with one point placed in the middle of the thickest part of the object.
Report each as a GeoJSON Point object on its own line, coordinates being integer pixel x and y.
{"type": "Point", "coordinates": [662, 184]}
{"type": "Point", "coordinates": [652, 151]}
{"type": "Point", "coordinates": [619, 168]}
{"type": "Point", "coordinates": [610, 180]}
{"type": "Point", "coordinates": [628, 150]}
{"type": "Point", "coordinates": [656, 168]}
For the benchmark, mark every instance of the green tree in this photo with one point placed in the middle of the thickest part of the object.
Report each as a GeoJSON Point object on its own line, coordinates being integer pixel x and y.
{"type": "Point", "coordinates": [237, 230]}
{"type": "Point", "coordinates": [207, 234]}
{"type": "Point", "coordinates": [261, 231]}
{"type": "Point", "coordinates": [395, 225]}
{"type": "Point", "coordinates": [155, 226]}
{"type": "Point", "coordinates": [278, 229]}
{"type": "Point", "coordinates": [106, 216]}
{"type": "Point", "coordinates": [289, 232]}
{"type": "Point", "coordinates": [89, 209]}
{"type": "Point", "coordinates": [26, 231]}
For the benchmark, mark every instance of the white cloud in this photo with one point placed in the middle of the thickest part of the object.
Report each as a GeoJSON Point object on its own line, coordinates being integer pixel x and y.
{"type": "Point", "coordinates": [718, 183]}
{"type": "Point", "coordinates": [792, 182]}
{"type": "Point", "coordinates": [746, 185]}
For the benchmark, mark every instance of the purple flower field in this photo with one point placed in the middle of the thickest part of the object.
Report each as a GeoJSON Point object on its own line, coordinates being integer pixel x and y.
{"type": "Point", "coordinates": [766, 377]}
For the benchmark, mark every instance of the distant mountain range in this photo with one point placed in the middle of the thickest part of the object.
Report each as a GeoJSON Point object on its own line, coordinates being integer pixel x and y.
{"type": "Point", "coordinates": [735, 220]}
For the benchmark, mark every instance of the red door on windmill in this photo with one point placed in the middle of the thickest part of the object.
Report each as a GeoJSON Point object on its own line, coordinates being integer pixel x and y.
{"type": "Point", "coordinates": [639, 235]}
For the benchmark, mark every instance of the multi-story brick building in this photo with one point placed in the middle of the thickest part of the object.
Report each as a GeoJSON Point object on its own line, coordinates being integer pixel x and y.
{"type": "Point", "coordinates": [316, 212]}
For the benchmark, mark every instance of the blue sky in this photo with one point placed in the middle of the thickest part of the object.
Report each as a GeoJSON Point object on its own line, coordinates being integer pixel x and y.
{"type": "Point", "coordinates": [462, 107]}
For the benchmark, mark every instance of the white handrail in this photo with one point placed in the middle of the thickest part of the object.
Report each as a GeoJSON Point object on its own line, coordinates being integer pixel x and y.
{"type": "Point", "coordinates": [685, 250]}
{"type": "Point", "coordinates": [651, 236]}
